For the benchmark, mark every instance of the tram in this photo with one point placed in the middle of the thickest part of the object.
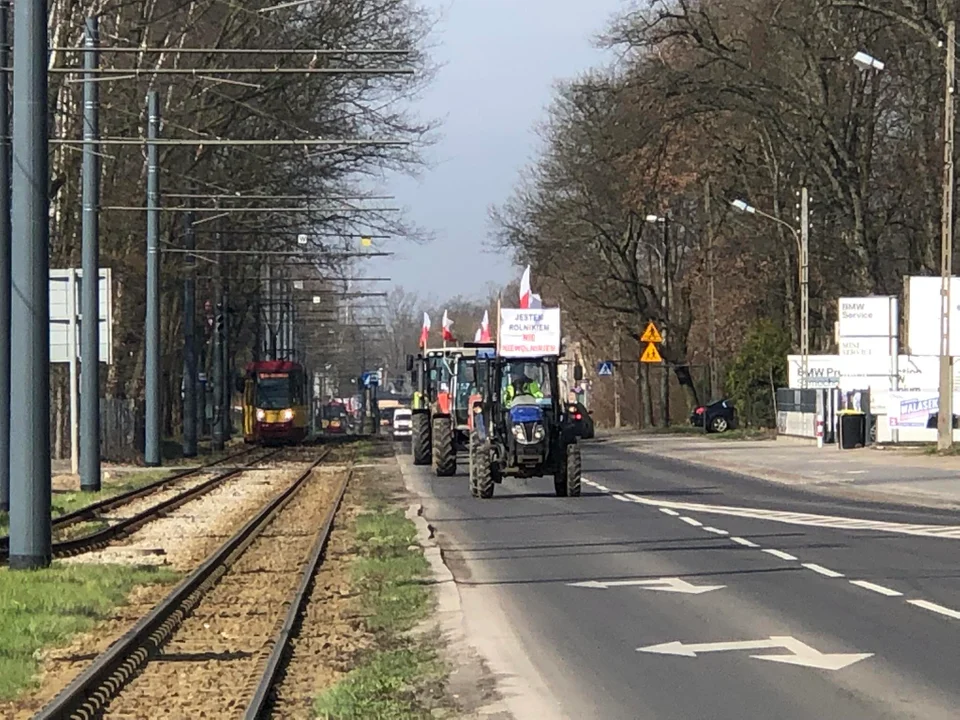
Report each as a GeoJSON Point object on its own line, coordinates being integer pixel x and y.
{"type": "Point", "coordinates": [276, 403]}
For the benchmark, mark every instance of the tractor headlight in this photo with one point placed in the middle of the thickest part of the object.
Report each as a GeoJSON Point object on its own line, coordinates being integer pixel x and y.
{"type": "Point", "coordinates": [538, 432]}
{"type": "Point", "coordinates": [518, 432]}
{"type": "Point", "coordinates": [288, 415]}
{"type": "Point", "coordinates": [261, 415]}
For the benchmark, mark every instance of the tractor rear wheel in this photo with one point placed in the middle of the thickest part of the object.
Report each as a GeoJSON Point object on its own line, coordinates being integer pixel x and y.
{"type": "Point", "coordinates": [444, 447]}
{"type": "Point", "coordinates": [420, 440]}
{"type": "Point", "coordinates": [482, 476]}
{"type": "Point", "coordinates": [474, 446]}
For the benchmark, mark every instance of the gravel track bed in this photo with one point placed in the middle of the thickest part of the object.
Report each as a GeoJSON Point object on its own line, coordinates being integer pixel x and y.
{"type": "Point", "coordinates": [181, 540]}
{"type": "Point", "coordinates": [331, 633]}
{"type": "Point", "coordinates": [187, 535]}
{"type": "Point", "coordinates": [210, 667]}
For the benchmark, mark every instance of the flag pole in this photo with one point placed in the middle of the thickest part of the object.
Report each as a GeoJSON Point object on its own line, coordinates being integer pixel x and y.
{"type": "Point", "coordinates": [499, 300]}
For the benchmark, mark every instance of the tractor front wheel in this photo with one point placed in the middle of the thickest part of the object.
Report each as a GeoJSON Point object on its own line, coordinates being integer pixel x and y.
{"type": "Point", "coordinates": [444, 447]}
{"type": "Point", "coordinates": [566, 481]}
{"type": "Point", "coordinates": [420, 442]}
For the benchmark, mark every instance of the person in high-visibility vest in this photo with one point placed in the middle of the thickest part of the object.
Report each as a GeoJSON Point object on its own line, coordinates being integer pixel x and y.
{"type": "Point", "coordinates": [520, 384]}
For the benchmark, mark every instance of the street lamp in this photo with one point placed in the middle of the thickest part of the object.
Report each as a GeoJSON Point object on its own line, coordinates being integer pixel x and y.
{"type": "Point", "coordinates": [802, 238]}
{"type": "Point", "coordinates": [867, 62]}
{"type": "Point", "coordinates": [945, 405]}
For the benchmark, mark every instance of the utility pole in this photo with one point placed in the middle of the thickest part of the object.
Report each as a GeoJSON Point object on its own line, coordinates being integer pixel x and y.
{"type": "Point", "coordinates": [30, 538]}
{"type": "Point", "coordinates": [152, 444]}
{"type": "Point", "coordinates": [665, 377]}
{"type": "Point", "coordinates": [804, 263]}
{"type": "Point", "coordinates": [90, 286]}
{"type": "Point", "coordinates": [712, 298]}
{"type": "Point", "coordinates": [617, 372]}
{"type": "Point", "coordinates": [189, 341]}
{"type": "Point", "coordinates": [945, 413]}
{"type": "Point", "coordinates": [4, 257]}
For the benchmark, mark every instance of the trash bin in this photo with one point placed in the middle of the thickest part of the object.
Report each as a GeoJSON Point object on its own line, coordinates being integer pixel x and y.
{"type": "Point", "coordinates": [851, 429]}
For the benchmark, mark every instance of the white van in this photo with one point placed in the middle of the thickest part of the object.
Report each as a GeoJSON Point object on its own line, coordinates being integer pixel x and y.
{"type": "Point", "coordinates": [402, 424]}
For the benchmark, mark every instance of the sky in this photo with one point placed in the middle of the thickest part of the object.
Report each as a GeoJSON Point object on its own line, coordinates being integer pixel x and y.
{"type": "Point", "coordinates": [499, 61]}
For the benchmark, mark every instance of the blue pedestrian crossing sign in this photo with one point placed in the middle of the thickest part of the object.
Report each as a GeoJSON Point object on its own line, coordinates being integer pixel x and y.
{"type": "Point", "coordinates": [605, 368]}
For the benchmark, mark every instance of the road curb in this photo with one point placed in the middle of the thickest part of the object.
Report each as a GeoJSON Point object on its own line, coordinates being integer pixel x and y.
{"type": "Point", "coordinates": [471, 666]}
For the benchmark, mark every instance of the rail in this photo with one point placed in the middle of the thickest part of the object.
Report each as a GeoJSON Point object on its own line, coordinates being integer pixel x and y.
{"type": "Point", "coordinates": [101, 538]}
{"type": "Point", "coordinates": [259, 705]}
{"type": "Point", "coordinates": [90, 692]}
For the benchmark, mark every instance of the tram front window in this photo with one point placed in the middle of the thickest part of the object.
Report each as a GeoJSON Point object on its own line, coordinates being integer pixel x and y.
{"type": "Point", "coordinates": [273, 393]}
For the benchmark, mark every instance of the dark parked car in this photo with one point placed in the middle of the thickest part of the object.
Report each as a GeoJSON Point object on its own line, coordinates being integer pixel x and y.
{"type": "Point", "coordinates": [581, 420]}
{"type": "Point", "coordinates": [718, 416]}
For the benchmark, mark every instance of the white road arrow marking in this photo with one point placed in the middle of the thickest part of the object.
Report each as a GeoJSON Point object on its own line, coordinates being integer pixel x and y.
{"type": "Point", "coordinates": [801, 653]}
{"type": "Point", "coordinates": [674, 585]}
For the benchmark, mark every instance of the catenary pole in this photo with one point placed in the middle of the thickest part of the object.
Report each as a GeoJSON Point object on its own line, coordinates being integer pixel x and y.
{"type": "Point", "coordinates": [90, 264]}
{"type": "Point", "coordinates": [4, 257]}
{"type": "Point", "coordinates": [30, 540]}
{"type": "Point", "coordinates": [189, 342]}
{"type": "Point", "coordinates": [152, 444]}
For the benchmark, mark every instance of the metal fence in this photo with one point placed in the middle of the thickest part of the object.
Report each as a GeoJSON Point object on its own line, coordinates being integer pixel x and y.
{"type": "Point", "coordinates": [121, 429]}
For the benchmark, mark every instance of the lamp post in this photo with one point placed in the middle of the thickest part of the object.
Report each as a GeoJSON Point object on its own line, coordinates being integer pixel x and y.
{"type": "Point", "coordinates": [802, 238]}
{"type": "Point", "coordinates": [945, 405]}
{"type": "Point", "coordinates": [664, 220]}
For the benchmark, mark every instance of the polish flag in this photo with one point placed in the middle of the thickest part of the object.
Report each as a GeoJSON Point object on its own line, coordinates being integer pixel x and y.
{"type": "Point", "coordinates": [525, 288]}
{"type": "Point", "coordinates": [478, 335]}
{"type": "Point", "coordinates": [425, 330]}
{"type": "Point", "coordinates": [485, 327]}
{"type": "Point", "coordinates": [447, 324]}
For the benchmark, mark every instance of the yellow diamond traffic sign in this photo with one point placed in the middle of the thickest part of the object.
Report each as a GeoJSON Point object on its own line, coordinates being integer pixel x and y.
{"type": "Point", "coordinates": [652, 335]}
{"type": "Point", "coordinates": [651, 354]}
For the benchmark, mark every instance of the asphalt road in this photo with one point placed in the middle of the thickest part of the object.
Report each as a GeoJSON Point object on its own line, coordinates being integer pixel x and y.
{"type": "Point", "coordinates": [859, 602]}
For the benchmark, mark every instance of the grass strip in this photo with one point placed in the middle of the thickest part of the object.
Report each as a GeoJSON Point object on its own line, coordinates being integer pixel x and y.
{"type": "Point", "coordinates": [45, 608]}
{"type": "Point", "coordinates": [396, 681]}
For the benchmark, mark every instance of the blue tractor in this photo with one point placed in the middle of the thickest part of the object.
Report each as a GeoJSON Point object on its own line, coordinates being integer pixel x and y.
{"type": "Point", "coordinates": [520, 427]}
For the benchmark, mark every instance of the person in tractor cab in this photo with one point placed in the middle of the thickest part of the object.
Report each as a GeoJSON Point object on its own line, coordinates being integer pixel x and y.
{"type": "Point", "coordinates": [521, 384]}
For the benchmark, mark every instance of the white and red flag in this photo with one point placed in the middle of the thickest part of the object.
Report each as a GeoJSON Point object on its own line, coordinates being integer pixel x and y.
{"type": "Point", "coordinates": [447, 325]}
{"type": "Point", "coordinates": [485, 328]}
{"type": "Point", "coordinates": [478, 335]}
{"type": "Point", "coordinates": [425, 330]}
{"type": "Point", "coordinates": [525, 288]}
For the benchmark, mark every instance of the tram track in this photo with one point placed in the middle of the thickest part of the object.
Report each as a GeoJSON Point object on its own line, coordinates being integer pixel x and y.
{"type": "Point", "coordinates": [196, 651]}
{"type": "Point", "coordinates": [121, 526]}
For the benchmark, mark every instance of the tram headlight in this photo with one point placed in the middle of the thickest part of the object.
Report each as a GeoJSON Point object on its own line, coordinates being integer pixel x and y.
{"type": "Point", "coordinates": [288, 415]}
{"type": "Point", "coordinates": [261, 415]}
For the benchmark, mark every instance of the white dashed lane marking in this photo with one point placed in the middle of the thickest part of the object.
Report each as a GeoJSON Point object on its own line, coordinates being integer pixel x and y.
{"type": "Point", "coordinates": [668, 508]}
{"type": "Point", "coordinates": [780, 554]}
{"type": "Point", "coordinates": [933, 607]}
{"type": "Point", "coordinates": [822, 570]}
{"type": "Point", "coordinates": [876, 588]}
{"type": "Point", "coordinates": [951, 532]}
